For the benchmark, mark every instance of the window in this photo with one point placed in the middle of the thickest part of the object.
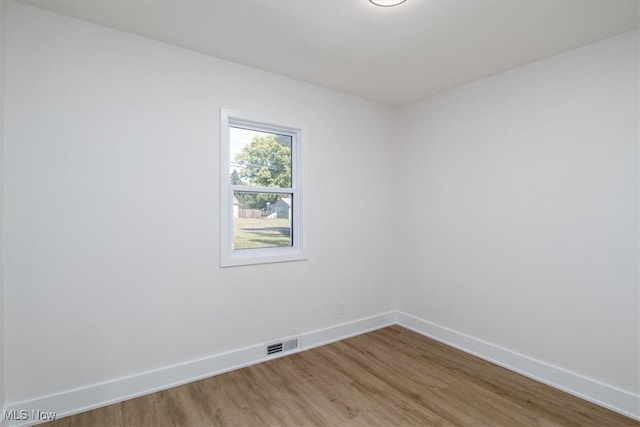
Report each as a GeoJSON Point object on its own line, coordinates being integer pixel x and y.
{"type": "Point", "coordinates": [261, 191]}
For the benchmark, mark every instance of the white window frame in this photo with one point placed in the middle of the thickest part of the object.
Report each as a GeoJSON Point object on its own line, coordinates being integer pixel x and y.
{"type": "Point", "coordinates": [234, 257]}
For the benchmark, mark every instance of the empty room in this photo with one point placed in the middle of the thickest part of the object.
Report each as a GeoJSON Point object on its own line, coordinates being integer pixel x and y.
{"type": "Point", "coordinates": [320, 212]}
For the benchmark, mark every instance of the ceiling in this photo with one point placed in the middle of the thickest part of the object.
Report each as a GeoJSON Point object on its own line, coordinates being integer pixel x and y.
{"type": "Point", "coordinates": [393, 55]}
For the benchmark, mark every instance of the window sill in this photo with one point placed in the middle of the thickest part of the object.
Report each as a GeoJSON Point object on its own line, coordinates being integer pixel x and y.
{"type": "Point", "coordinates": [261, 256]}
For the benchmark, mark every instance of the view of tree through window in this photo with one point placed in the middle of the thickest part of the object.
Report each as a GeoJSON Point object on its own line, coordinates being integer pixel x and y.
{"type": "Point", "coordinates": [261, 161]}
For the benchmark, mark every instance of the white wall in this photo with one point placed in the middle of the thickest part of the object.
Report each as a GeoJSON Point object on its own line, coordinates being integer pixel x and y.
{"type": "Point", "coordinates": [3, 8]}
{"type": "Point", "coordinates": [112, 187]}
{"type": "Point", "coordinates": [522, 194]}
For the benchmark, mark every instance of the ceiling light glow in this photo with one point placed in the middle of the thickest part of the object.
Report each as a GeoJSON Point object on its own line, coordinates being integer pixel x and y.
{"type": "Point", "coordinates": [387, 3]}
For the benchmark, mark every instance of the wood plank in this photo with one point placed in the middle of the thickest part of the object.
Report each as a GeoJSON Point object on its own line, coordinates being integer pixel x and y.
{"type": "Point", "coordinates": [388, 377]}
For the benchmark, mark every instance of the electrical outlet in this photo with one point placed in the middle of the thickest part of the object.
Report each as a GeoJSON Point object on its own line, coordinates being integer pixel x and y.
{"type": "Point", "coordinates": [341, 308]}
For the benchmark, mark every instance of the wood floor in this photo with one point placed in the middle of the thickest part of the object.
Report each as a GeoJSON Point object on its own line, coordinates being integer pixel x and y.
{"type": "Point", "coordinates": [390, 377]}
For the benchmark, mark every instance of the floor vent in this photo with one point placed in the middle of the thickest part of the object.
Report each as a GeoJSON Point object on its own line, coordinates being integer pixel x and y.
{"type": "Point", "coordinates": [283, 346]}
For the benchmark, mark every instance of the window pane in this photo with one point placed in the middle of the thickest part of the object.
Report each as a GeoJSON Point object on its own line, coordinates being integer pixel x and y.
{"type": "Point", "coordinates": [260, 158]}
{"type": "Point", "coordinates": [261, 220]}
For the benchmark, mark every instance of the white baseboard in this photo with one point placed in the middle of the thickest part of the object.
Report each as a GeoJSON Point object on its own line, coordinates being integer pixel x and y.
{"type": "Point", "coordinates": [95, 396]}
{"type": "Point", "coordinates": [588, 389]}
{"type": "Point", "coordinates": [347, 330]}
